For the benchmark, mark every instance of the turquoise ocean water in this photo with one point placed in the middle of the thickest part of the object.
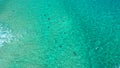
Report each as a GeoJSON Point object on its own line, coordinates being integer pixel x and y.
{"type": "Point", "coordinates": [59, 33]}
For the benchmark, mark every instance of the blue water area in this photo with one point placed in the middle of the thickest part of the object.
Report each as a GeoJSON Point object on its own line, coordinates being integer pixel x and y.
{"type": "Point", "coordinates": [59, 33]}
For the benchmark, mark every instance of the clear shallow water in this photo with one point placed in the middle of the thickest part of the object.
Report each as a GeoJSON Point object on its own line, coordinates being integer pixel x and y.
{"type": "Point", "coordinates": [59, 34]}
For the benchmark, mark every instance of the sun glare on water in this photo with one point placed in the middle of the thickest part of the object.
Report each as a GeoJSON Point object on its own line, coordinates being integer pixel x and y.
{"type": "Point", "coordinates": [5, 35]}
